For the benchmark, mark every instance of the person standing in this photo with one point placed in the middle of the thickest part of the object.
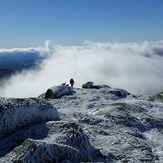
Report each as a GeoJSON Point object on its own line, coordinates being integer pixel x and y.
{"type": "Point", "coordinates": [72, 82]}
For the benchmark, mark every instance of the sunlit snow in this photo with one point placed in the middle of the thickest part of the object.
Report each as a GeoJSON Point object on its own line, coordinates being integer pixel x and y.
{"type": "Point", "coordinates": [95, 125]}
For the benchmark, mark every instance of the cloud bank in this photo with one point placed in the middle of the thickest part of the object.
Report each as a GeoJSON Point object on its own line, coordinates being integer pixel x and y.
{"type": "Point", "coordinates": [134, 66]}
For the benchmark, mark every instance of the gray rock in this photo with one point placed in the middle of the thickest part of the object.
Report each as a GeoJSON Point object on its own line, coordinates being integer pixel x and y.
{"type": "Point", "coordinates": [119, 92]}
{"type": "Point", "coordinates": [88, 85]}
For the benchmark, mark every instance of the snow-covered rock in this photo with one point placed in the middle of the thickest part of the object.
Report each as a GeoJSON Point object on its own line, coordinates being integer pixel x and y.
{"type": "Point", "coordinates": [119, 92]}
{"type": "Point", "coordinates": [158, 97]}
{"type": "Point", "coordinates": [65, 141]}
{"type": "Point", "coordinates": [58, 91]}
{"type": "Point", "coordinates": [118, 127]}
{"type": "Point", "coordinates": [97, 125]}
{"type": "Point", "coordinates": [87, 84]}
{"type": "Point", "coordinates": [16, 114]}
{"type": "Point", "coordinates": [91, 85]}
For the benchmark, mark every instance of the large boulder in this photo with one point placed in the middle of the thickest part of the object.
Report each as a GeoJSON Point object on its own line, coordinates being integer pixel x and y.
{"type": "Point", "coordinates": [91, 85]}
{"type": "Point", "coordinates": [88, 85]}
{"type": "Point", "coordinates": [65, 142]}
{"type": "Point", "coordinates": [58, 91]}
{"type": "Point", "coordinates": [119, 92]}
{"type": "Point", "coordinates": [16, 114]}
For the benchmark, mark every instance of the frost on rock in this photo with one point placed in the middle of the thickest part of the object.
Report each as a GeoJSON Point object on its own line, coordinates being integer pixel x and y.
{"type": "Point", "coordinates": [158, 97]}
{"type": "Point", "coordinates": [58, 91]}
{"type": "Point", "coordinates": [65, 141]}
{"type": "Point", "coordinates": [119, 92]}
{"type": "Point", "coordinates": [16, 114]}
{"type": "Point", "coordinates": [90, 85]}
{"type": "Point", "coordinates": [97, 125]}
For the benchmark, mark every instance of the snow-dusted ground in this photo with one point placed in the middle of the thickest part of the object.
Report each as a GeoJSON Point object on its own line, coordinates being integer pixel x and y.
{"type": "Point", "coordinates": [95, 125]}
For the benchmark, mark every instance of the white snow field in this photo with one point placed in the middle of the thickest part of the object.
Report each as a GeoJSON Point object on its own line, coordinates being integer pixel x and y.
{"type": "Point", "coordinates": [97, 124]}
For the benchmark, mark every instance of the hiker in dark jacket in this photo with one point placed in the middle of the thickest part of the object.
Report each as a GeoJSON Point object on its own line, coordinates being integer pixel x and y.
{"type": "Point", "coordinates": [72, 82]}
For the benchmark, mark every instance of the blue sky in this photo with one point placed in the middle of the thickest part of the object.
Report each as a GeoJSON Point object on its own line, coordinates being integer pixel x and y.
{"type": "Point", "coordinates": [25, 23]}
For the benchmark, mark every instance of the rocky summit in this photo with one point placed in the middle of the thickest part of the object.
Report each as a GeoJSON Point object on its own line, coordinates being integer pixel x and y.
{"type": "Point", "coordinates": [89, 124]}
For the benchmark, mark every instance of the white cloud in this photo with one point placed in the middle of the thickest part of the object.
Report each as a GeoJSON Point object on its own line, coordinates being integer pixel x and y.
{"type": "Point", "coordinates": [136, 67]}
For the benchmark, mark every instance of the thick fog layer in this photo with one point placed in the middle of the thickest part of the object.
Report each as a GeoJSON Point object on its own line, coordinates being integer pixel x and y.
{"type": "Point", "coordinates": [134, 66]}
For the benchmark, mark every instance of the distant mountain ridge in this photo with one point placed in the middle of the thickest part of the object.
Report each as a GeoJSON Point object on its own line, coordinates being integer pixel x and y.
{"type": "Point", "coordinates": [20, 60]}
{"type": "Point", "coordinates": [5, 72]}
{"type": "Point", "coordinates": [12, 62]}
